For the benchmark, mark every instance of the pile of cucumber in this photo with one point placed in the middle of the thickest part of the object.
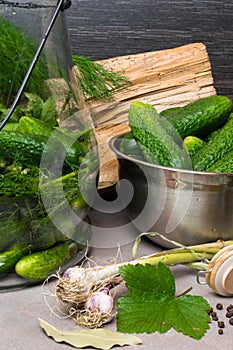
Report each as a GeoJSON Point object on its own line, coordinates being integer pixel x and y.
{"type": "Point", "coordinates": [30, 244]}
{"type": "Point", "coordinates": [197, 136]}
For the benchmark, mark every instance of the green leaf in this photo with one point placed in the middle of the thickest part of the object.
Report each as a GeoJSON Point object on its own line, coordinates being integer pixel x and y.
{"type": "Point", "coordinates": [188, 315]}
{"type": "Point", "coordinates": [99, 338]}
{"type": "Point", "coordinates": [152, 305]}
{"type": "Point", "coordinates": [49, 112]}
{"type": "Point", "coordinates": [149, 278]}
{"type": "Point", "coordinates": [34, 105]}
{"type": "Point", "coordinates": [141, 313]}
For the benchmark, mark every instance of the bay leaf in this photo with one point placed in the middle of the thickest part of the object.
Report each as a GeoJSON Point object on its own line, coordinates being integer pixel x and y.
{"type": "Point", "coordinates": [99, 338]}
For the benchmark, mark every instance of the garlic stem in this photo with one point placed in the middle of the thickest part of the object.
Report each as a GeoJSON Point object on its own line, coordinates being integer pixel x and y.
{"type": "Point", "coordinates": [93, 275]}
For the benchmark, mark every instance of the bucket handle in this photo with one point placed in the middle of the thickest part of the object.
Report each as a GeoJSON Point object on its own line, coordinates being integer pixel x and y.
{"type": "Point", "coordinates": [61, 6]}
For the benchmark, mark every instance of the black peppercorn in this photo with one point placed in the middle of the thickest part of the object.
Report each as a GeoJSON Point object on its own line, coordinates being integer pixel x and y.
{"type": "Point", "coordinates": [221, 324]}
{"type": "Point", "coordinates": [219, 306]}
{"type": "Point", "coordinates": [220, 331]}
{"type": "Point", "coordinates": [231, 321]}
{"type": "Point", "coordinates": [214, 314]}
{"type": "Point", "coordinates": [230, 307]}
{"type": "Point", "coordinates": [229, 314]}
{"type": "Point", "coordinates": [210, 311]}
{"type": "Point", "coordinates": [215, 318]}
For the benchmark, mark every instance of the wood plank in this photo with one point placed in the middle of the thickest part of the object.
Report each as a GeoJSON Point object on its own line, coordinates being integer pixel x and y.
{"type": "Point", "coordinates": [102, 29]}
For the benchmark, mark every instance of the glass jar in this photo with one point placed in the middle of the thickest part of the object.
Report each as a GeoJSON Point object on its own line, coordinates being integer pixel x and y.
{"type": "Point", "coordinates": [48, 151]}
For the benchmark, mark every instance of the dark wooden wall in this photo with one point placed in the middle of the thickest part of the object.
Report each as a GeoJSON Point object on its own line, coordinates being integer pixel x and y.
{"type": "Point", "coordinates": [105, 28]}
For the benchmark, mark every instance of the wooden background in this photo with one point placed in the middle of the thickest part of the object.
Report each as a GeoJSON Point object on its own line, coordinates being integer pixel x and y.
{"type": "Point", "coordinates": [104, 28]}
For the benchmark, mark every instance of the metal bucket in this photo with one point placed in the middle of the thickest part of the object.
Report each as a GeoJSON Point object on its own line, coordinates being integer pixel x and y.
{"type": "Point", "coordinates": [49, 209]}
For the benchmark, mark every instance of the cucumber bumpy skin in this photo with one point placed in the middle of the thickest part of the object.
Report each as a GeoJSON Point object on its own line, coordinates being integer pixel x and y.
{"type": "Point", "coordinates": [156, 144]}
{"type": "Point", "coordinates": [223, 165]}
{"type": "Point", "coordinates": [129, 146]}
{"type": "Point", "coordinates": [200, 117]}
{"type": "Point", "coordinates": [75, 148]}
{"type": "Point", "coordinates": [28, 149]}
{"type": "Point", "coordinates": [37, 266]}
{"type": "Point", "coordinates": [216, 148]}
{"type": "Point", "coordinates": [33, 126]}
{"type": "Point", "coordinates": [167, 113]}
{"type": "Point", "coordinates": [24, 148]}
{"type": "Point", "coordinates": [9, 258]}
{"type": "Point", "coordinates": [11, 230]}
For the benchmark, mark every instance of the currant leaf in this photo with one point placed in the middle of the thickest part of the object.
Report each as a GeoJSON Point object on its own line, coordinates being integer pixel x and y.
{"type": "Point", "coordinates": [151, 304]}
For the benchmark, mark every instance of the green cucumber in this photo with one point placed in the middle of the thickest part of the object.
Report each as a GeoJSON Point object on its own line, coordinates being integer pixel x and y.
{"type": "Point", "coordinates": [216, 148]}
{"type": "Point", "coordinates": [78, 203]}
{"type": "Point", "coordinates": [129, 146]}
{"type": "Point", "coordinates": [43, 233]}
{"type": "Point", "coordinates": [33, 126]}
{"type": "Point", "coordinates": [192, 144]}
{"type": "Point", "coordinates": [11, 127]}
{"type": "Point", "coordinates": [23, 148]}
{"type": "Point", "coordinates": [223, 165]}
{"type": "Point", "coordinates": [167, 113]}
{"type": "Point", "coordinates": [201, 117]}
{"type": "Point", "coordinates": [157, 145]}
{"type": "Point", "coordinates": [40, 234]}
{"type": "Point", "coordinates": [28, 149]}
{"type": "Point", "coordinates": [38, 266]}
{"type": "Point", "coordinates": [11, 230]}
{"type": "Point", "coordinates": [10, 257]}
{"type": "Point", "coordinates": [75, 148]}
{"type": "Point", "coordinates": [164, 120]}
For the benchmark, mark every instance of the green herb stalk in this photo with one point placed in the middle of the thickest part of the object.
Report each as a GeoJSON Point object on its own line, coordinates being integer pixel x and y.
{"type": "Point", "coordinates": [16, 54]}
{"type": "Point", "coordinates": [96, 81]}
{"type": "Point", "coordinates": [92, 277]}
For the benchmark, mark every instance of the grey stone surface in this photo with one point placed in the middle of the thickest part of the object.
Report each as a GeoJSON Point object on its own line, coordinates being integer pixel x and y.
{"type": "Point", "coordinates": [21, 309]}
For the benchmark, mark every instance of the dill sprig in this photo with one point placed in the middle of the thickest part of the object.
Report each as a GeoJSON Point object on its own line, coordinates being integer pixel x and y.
{"type": "Point", "coordinates": [17, 180]}
{"type": "Point", "coordinates": [96, 81]}
{"type": "Point", "coordinates": [16, 54]}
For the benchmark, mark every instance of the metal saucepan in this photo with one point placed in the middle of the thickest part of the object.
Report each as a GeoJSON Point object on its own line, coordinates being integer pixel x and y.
{"type": "Point", "coordinates": [185, 206]}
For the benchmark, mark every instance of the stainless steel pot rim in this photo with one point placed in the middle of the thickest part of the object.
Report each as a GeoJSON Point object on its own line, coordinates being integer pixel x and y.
{"type": "Point", "coordinates": [113, 148]}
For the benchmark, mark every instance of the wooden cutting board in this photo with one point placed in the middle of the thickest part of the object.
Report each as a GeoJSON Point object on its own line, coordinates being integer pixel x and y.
{"type": "Point", "coordinates": [165, 78]}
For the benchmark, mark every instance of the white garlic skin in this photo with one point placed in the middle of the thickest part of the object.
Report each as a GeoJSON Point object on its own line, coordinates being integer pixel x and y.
{"type": "Point", "coordinates": [102, 303]}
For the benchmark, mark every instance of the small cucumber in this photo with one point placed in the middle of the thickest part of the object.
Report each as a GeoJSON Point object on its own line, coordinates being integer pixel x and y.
{"type": "Point", "coordinates": [11, 230]}
{"type": "Point", "coordinates": [9, 258]}
{"type": "Point", "coordinates": [74, 147]}
{"type": "Point", "coordinates": [40, 234]}
{"type": "Point", "coordinates": [28, 149]}
{"type": "Point", "coordinates": [38, 266]}
{"type": "Point", "coordinates": [43, 233]}
{"type": "Point", "coordinates": [192, 144]}
{"type": "Point", "coordinates": [167, 113]}
{"type": "Point", "coordinates": [33, 126]}
{"type": "Point", "coordinates": [216, 148]}
{"type": "Point", "coordinates": [78, 203]}
{"type": "Point", "coordinates": [24, 148]}
{"type": "Point", "coordinates": [157, 145]}
{"type": "Point", "coordinates": [201, 117]}
{"type": "Point", "coordinates": [11, 127]}
{"type": "Point", "coordinates": [130, 147]}
{"type": "Point", "coordinates": [223, 165]}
